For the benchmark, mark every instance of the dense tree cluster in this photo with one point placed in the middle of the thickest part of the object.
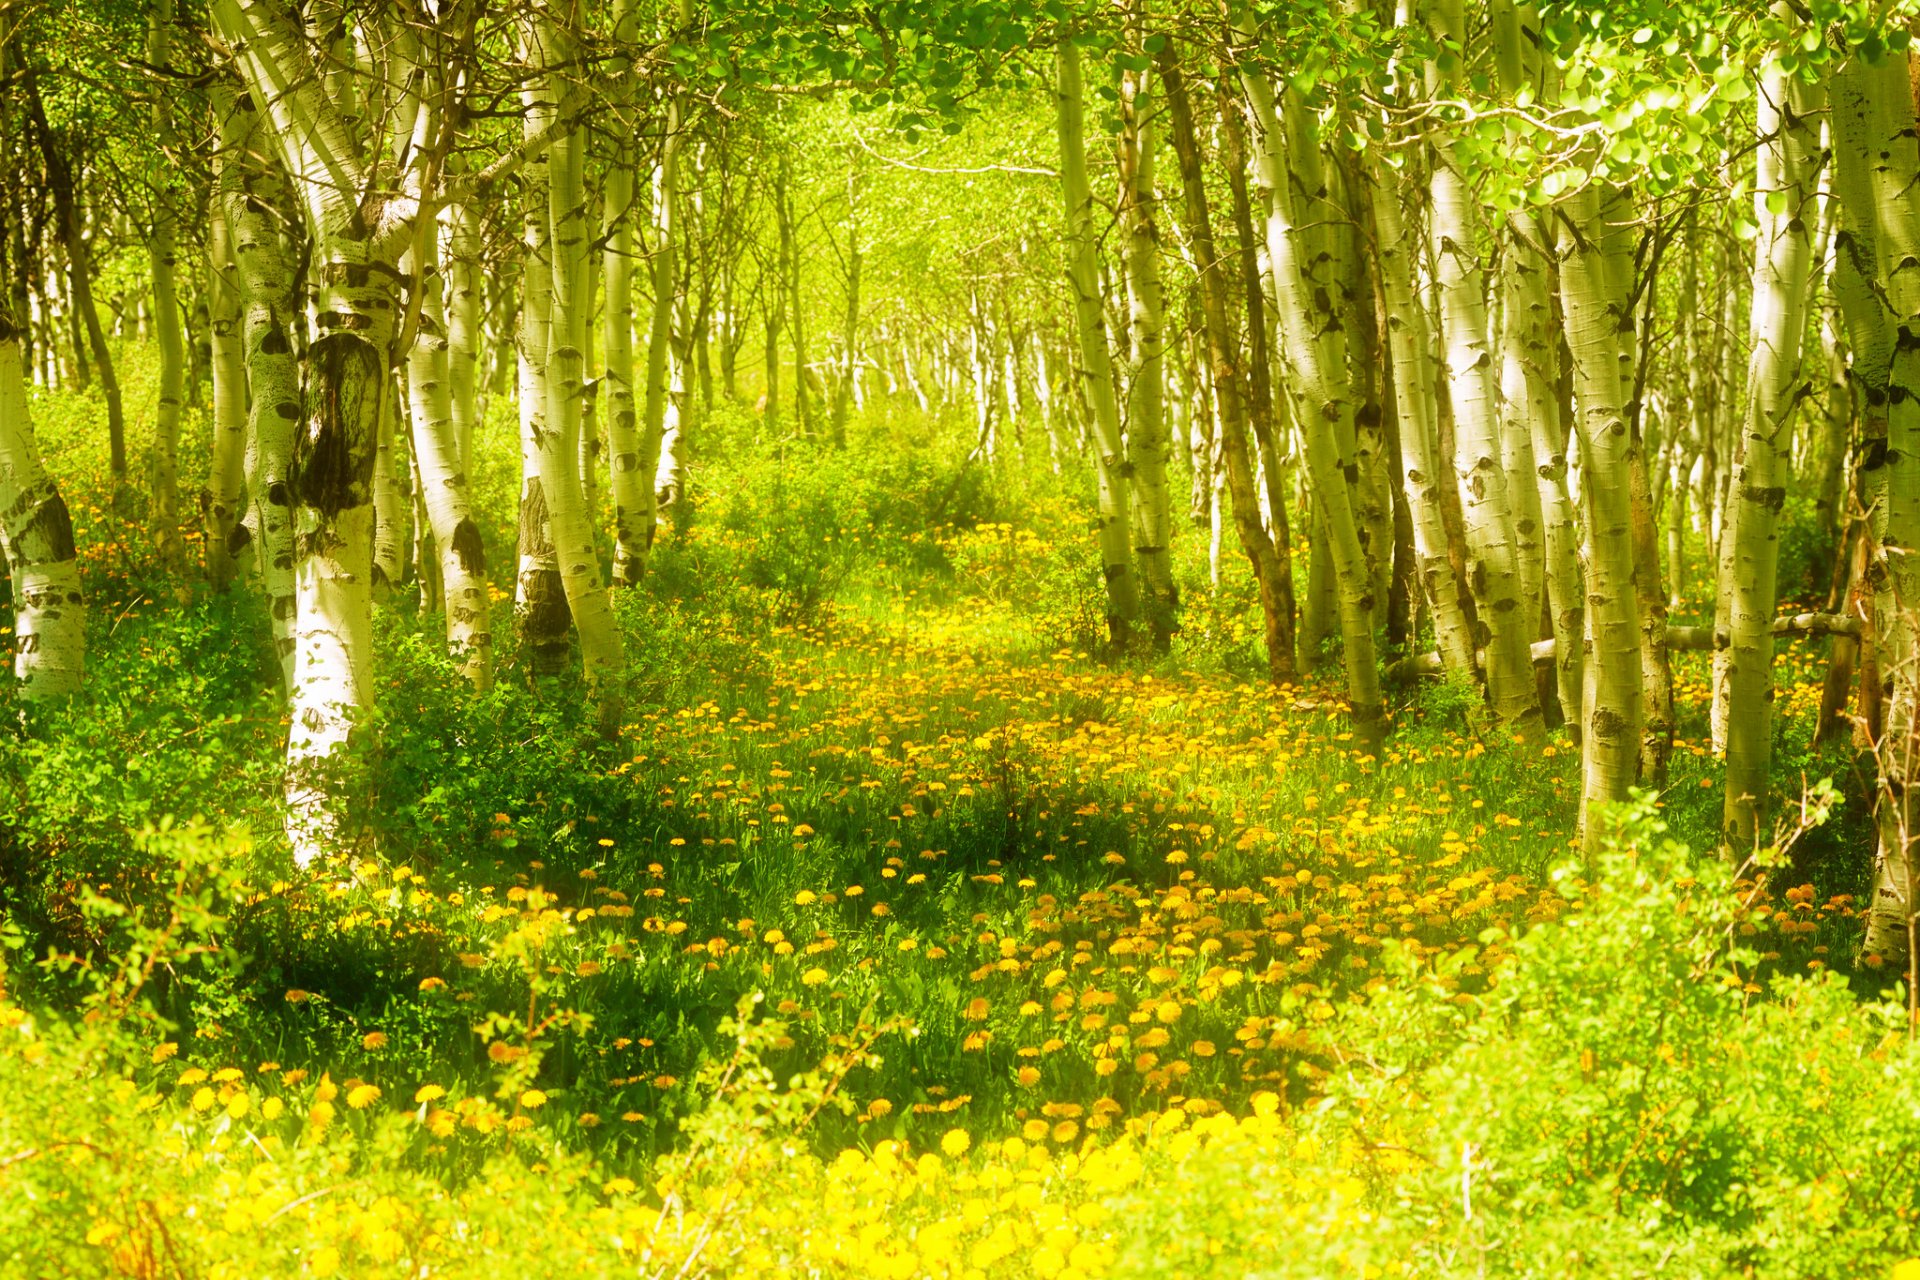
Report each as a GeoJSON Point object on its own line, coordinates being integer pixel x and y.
{"type": "Point", "coordinates": [1486, 315]}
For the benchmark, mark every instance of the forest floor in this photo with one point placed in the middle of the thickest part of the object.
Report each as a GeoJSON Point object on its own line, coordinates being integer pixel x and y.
{"type": "Point", "coordinates": [896, 938]}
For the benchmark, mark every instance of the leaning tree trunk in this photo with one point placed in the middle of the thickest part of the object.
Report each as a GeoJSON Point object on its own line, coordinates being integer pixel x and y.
{"type": "Point", "coordinates": [1211, 270]}
{"type": "Point", "coordinates": [1789, 159]}
{"type": "Point", "coordinates": [1423, 471]}
{"type": "Point", "coordinates": [1530, 377]}
{"type": "Point", "coordinates": [1264, 416]}
{"type": "Point", "coordinates": [1326, 420]}
{"type": "Point", "coordinates": [62, 185]}
{"type": "Point", "coordinates": [1083, 277]}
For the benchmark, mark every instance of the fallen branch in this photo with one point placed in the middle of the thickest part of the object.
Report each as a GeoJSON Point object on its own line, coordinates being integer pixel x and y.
{"type": "Point", "coordinates": [1691, 639]}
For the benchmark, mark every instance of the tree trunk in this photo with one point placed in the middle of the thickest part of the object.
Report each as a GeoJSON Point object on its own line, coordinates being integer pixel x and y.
{"type": "Point", "coordinates": [62, 186]}
{"type": "Point", "coordinates": [227, 474]}
{"type": "Point", "coordinates": [168, 327]}
{"type": "Point", "coordinates": [1211, 269]}
{"type": "Point", "coordinates": [1481, 454]}
{"type": "Point", "coordinates": [1096, 357]}
{"type": "Point", "coordinates": [1611, 731]}
{"type": "Point", "coordinates": [264, 264]}
{"type": "Point", "coordinates": [1326, 421]}
{"type": "Point", "coordinates": [602, 652]}
{"type": "Point", "coordinates": [1146, 388]}
{"type": "Point", "coordinates": [1784, 206]}
{"type": "Point", "coordinates": [36, 536]}
{"type": "Point", "coordinates": [461, 556]}
{"type": "Point", "coordinates": [1424, 471]}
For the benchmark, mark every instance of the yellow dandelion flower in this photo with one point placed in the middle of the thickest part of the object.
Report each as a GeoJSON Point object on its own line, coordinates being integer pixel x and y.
{"type": "Point", "coordinates": [362, 1096]}
{"type": "Point", "coordinates": [203, 1099]}
{"type": "Point", "coordinates": [428, 1092]}
{"type": "Point", "coordinates": [374, 1040]}
{"type": "Point", "coordinates": [618, 1186]}
{"type": "Point", "coordinates": [161, 1052]}
{"type": "Point", "coordinates": [814, 977]}
{"type": "Point", "coordinates": [271, 1109]}
{"type": "Point", "coordinates": [955, 1142]}
{"type": "Point", "coordinates": [805, 898]}
{"type": "Point", "coordinates": [880, 1107]}
{"type": "Point", "coordinates": [533, 1099]}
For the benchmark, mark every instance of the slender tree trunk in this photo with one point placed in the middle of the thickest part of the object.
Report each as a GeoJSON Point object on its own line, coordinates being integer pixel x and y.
{"type": "Point", "coordinates": [1146, 388]}
{"type": "Point", "coordinates": [227, 476]}
{"type": "Point", "coordinates": [168, 327]}
{"type": "Point", "coordinates": [1784, 206]}
{"type": "Point", "coordinates": [1096, 357]}
{"type": "Point", "coordinates": [653, 424]}
{"type": "Point", "coordinates": [62, 185]}
{"type": "Point", "coordinates": [1242, 484]}
{"type": "Point", "coordinates": [1262, 412]}
{"type": "Point", "coordinates": [461, 556]}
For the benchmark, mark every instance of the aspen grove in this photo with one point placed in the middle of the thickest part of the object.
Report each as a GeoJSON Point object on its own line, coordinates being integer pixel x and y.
{"type": "Point", "coordinates": [960, 638]}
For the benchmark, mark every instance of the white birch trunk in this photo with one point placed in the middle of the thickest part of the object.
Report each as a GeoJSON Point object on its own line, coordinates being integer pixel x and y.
{"type": "Point", "coordinates": [1096, 357]}
{"type": "Point", "coordinates": [1480, 454]}
{"type": "Point", "coordinates": [36, 536]}
{"type": "Point", "coordinates": [602, 652]}
{"type": "Point", "coordinates": [1326, 419]}
{"type": "Point", "coordinates": [264, 264]}
{"type": "Point", "coordinates": [224, 319]}
{"type": "Point", "coordinates": [443, 489]}
{"type": "Point", "coordinates": [1611, 730]}
{"type": "Point", "coordinates": [1422, 468]}
{"type": "Point", "coordinates": [1788, 160]}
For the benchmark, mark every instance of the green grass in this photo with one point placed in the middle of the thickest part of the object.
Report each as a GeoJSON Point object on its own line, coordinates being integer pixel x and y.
{"type": "Point", "coordinates": [975, 880]}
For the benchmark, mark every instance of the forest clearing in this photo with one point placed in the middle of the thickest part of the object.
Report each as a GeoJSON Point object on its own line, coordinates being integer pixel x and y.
{"type": "Point", "coordinates": [971, 639]}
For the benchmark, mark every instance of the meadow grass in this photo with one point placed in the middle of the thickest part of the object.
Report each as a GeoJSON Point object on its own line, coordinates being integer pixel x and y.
{"type": "Point", "coordinates": [895, 935]}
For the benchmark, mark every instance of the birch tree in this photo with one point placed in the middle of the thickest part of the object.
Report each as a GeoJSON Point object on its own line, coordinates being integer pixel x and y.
{"type": "Point", "coordinates": [1789, 158]}
{"type": "Point", "coordinates": [1096, 356]}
